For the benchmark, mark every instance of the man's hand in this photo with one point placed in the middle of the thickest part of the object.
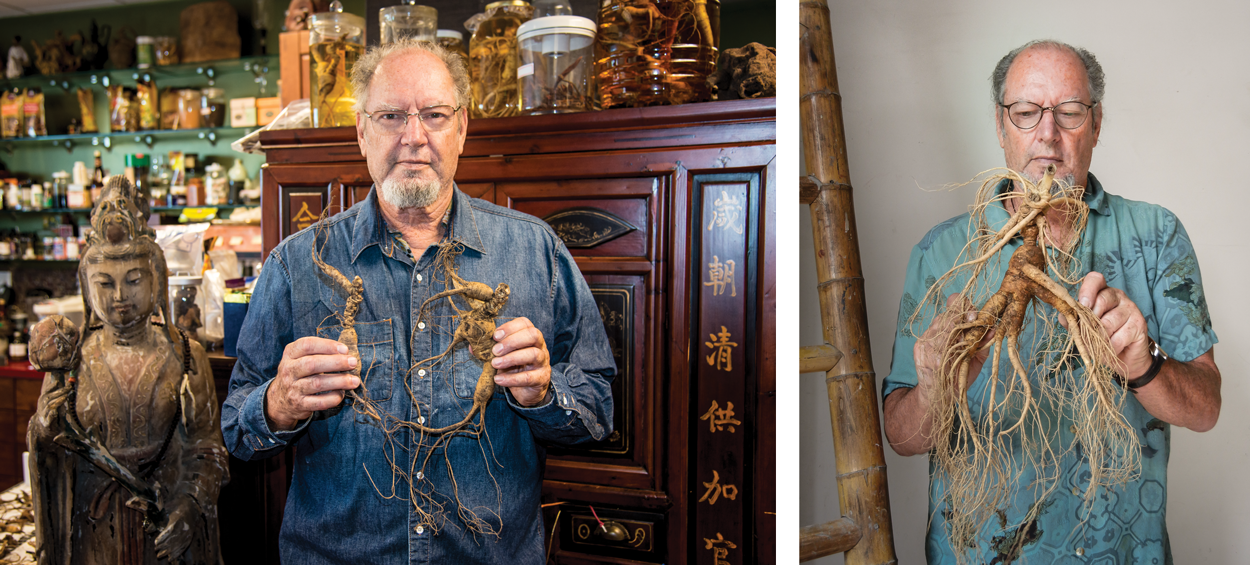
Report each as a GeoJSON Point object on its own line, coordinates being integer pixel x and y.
{"type": "Point", "coordinates": [522, 361]}
{"type": "Point", "coordinates": [1123, 321]}
{"type": "Point", "coordinates": [311, 376]}
{"type": "Point", "coordinates": [908, 426]}
{"type": "Point", "coordinates": [931, 346]}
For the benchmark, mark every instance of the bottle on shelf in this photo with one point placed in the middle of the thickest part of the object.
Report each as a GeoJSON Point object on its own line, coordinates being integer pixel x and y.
{"type": "Point", "coordinates": [97, 178]}
{"type": "Point", "coordinates": [194, 180]}
{"type": "Point", "coordinates": [37, 199]}
{"type": "Point", "coordinates": [60, 184]}
{"type": "Point", "coordinates": [159, 179]}
{"type": "Point", "coordinates": [6, 249]}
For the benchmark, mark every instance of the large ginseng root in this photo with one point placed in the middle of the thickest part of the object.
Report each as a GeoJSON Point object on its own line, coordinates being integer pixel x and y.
{"type": "Point", "coordinates": [979, 457]}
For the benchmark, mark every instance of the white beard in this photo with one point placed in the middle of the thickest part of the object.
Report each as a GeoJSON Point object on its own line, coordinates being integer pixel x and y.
{"type": "Point", "coordinates": [410, 193]}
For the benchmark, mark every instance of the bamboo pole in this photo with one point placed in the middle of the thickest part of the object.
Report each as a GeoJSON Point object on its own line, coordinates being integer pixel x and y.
{"type": "Point", "coordinates": [828, 538]}
{"type": "Point", "coordinates": [862, 491]}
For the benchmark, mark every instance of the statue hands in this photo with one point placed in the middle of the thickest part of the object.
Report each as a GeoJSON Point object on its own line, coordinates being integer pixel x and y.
{"type": "Point", "coordinates": [175, 536]}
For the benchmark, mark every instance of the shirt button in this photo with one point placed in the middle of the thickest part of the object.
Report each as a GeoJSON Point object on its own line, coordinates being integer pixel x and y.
{"type": "Point", "coordinates": [421, 420]}
{"type": "Point", "coordinates": [420, 530]}
{"type": "Point", "coordinates": [1076, 491]}
{"type": "Point", "coordinates": [420, 475]}
{"type": "Point", "coordinates": [568, 412]}
{"type": "Point", "coordinates": [418, 277]}
{"type": "Point", "coordinates": [420, 325]}
{"type": "Point", "coordinates": [1079, 550]}
{"type": "Point", "coordinates": [1072, 428]}
{"type": "Point", "coordinates": [420, 372]}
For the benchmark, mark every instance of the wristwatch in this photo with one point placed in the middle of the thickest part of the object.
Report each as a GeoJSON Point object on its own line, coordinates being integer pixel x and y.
{"type": "Point", "coordinates": [1157, 357]}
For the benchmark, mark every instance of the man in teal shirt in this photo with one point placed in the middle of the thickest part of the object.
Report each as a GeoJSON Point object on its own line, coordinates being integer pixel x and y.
{"type": "Point", "coordinates": [1143, 284]}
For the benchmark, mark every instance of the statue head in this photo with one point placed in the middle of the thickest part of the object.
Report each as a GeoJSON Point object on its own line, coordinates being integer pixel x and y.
{"type": "Point", "coordinates": [122, 271]}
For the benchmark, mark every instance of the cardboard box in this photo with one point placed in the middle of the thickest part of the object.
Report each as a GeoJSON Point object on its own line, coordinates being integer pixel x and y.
{"type": "Point", "coordinates": [243, 112]}
{"type": "Point", "coordinates": [267, 109]}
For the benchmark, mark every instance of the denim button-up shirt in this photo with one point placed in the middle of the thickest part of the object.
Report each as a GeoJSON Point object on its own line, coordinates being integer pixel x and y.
{"type": "Point", "coordinates": [349, 501]}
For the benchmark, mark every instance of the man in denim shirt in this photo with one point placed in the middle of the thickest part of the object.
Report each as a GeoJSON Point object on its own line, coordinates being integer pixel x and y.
{"type": "Point", "coordinates": [476, 497]}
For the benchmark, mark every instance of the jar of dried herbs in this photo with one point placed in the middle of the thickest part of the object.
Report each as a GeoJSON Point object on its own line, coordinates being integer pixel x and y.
{"type": "Point", "coordinates": [336, 40]}
{"type": "Point", "coordinates": [493, 60]}
{"type": "Point", "coordinates": [655, 52]}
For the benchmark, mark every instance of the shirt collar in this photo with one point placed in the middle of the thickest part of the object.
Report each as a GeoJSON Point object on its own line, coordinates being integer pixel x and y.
{"type": "Point", "coordinates": [371, 228]}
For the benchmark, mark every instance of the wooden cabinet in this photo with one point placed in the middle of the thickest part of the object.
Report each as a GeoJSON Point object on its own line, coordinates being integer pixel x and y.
{"type": "Point", "coordinates": [19, 394]}
{"type": "Point", "coordinates": [669, 212]}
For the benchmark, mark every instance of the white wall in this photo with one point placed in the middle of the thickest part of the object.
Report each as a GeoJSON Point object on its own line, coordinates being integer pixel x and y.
{"type": "Point", "coordinates": [914, 80]}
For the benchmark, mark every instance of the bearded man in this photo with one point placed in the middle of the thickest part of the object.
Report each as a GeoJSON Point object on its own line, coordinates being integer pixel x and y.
{"type": "Point", "coordinates": [378, 488]}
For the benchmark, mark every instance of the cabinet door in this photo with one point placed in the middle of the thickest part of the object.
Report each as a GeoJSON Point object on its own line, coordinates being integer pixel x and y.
{"type": "Point", "coordinates": [297, 195]}
{"type": "Point", "coordinates": [636, 224]}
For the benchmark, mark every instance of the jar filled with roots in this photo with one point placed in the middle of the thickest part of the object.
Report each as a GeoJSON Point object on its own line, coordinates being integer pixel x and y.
{"type": "Point", "coordinates": [493, 60]}
{"type": "Point", "coordinates": [656, 52]}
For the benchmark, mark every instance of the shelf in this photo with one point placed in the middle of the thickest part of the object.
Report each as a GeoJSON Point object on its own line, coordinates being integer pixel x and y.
{"type": "Point", "coordinates": [191, 72]}
{"type": "Point", "coordinates": [149, 138]}
{"type": "Point", "coordinates": [20, 370]}
{"type": "Point", "coordinates": [155, 210]}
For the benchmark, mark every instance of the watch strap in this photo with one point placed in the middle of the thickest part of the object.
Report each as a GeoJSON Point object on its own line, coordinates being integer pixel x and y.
{"type": "Point", "coordinates": [1157, 357]}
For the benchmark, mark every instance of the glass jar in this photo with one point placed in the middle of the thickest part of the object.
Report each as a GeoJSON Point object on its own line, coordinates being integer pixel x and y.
{"type": "Point", "coordinates": [186, 305]}
{"type": "Point", "coordinates": [166, 50]}
{"type": "Point", "coordinates": [187, 115]}
{"type": "Point", "coordinates": [555, 60]}
{"type": "Point", "coordinates": [336, 40]}
{"type": "Point", "coordinates": [656, 52]}
{"type": "Point", "coordinates": [145, 51]}
{"type": "Point", "coordinates": [453, 41]}
{"type": "Point", "coordinates": [212, 108]}
{"type": "Point", "coordinates": [407, 21]}
{"type": "Point", "coordinates": [493, 60]}
{"type": "Point", "coordinates": [60, 189]}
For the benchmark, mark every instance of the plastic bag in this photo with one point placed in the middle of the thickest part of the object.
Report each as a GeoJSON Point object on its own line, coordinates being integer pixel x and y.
{"type": "Point", "coordinates": [184, 247]}
{"type": "Point", "coordinates": [214, 289]}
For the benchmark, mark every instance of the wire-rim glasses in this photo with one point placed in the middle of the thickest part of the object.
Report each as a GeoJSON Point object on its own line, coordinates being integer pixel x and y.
{"type": "Point", "coordinates": [1068, 115]}
{"type": "Point", "coordinates": [434, 118]}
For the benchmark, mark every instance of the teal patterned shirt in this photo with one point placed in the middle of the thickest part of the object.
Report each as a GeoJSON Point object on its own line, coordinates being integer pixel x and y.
{"type": "Point", "coordinates": [1143, 250]}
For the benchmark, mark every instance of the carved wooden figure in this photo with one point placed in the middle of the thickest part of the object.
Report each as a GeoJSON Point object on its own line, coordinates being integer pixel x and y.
{"type": "Point", "coordinates": [127, 457]}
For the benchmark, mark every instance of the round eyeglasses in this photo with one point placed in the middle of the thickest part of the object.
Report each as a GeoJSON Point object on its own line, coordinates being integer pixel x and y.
{"type": "Point", "coordinates": [1068, 115]}
{"type": "Point", "coordinates": [434, 118]}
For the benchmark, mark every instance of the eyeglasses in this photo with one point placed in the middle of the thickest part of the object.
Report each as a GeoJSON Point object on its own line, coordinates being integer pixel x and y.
{"type": "Point", "coordinates": [434, 118]}
{"type": "Point", "coordinates": [1068, 115]}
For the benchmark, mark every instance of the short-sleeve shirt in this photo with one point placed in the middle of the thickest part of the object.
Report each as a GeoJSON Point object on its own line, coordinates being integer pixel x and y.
{"type": "Point", "coordinates": [1141, 249]}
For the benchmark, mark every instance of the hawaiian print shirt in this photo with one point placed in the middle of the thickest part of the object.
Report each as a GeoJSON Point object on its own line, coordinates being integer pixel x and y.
{"type": "Point", "coordinates": [1143, 250]}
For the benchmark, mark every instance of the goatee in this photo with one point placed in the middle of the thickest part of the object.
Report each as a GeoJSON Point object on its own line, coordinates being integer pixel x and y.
{"type": "Point", "coordinates": [410, 192]}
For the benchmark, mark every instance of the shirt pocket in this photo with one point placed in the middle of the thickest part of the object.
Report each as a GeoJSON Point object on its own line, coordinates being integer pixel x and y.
{"type": "Point", "coordinates": [466, 370]}
{"type": "Point", "coordinates": [375, 342]}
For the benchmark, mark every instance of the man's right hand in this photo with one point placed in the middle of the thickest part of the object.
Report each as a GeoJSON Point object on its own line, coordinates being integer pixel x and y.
{"type": "Point", "coordinates": [931, 346]}
{"type": "Point", "coordinates": [908, 425]}
{"type": "Point", "coordinates": [312, 376]}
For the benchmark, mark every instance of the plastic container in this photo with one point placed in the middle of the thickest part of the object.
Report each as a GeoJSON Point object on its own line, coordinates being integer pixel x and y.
{"type": "Point", "coordinates": [336, 39]}
{"type": "Point", "coordinates": [639, 63]}
{"type": "Point", "coordinates": [407, 21]}
{"type": "Point", "coordinates": [186, 306]}
{"type": "Point", "coordinates": [70, 306]}
{"type": "Point", "coordinates": [555, 64]}
{"type": "Point", "coordinates": [493, 60]}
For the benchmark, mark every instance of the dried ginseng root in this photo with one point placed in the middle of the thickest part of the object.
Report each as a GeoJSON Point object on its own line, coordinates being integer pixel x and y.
{"type": "Point", "coordinates": [979, 457]}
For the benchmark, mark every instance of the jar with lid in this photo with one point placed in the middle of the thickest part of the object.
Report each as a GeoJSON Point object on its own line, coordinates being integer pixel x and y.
{"type": "Point", "coordinates": [336, 39]}
{"type": "Point", "coordinates": [212, 108]}
{"type": "Point", "coordinates": [166, 50]}
{"type": "Point", "coordinates": [186, 305]}
{"type": "Point", "coordinates": [555, 63]}
{"type": "Point", "coordinates": [60, 189]}
{"type": "Point", "coordinates": [493, 60]}
{"type": "Point", "coordinates": [216, 184]}
{"type": "Point", "coordinates": [145, 51]}
{"type": "Point", "coordinates": [665, 57]}
{"type": "Point", "coordinates": [453, 41]}
{"type": "Point", "coordinates": [407, 21]}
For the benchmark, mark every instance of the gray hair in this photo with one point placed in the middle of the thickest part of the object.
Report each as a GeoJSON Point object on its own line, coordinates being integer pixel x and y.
{"type": "Point", "coordinates": [362, 71]}
{"type": "Point", "coordinates": [1093, 70]}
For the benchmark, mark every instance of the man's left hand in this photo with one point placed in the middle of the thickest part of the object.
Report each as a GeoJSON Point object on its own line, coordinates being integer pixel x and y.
{"type": "Point", "coordinates": [522, 361]}
{"type": "Point", "coordinates": [1122, 320]}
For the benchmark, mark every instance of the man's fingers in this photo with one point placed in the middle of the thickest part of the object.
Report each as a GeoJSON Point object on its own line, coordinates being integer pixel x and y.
{"type": "Point", "coordinates": [310, 345]}
{"type": "Point", "coordinates": [318, 384]}
{"type": "Point", "coordinates": [530, 356]}
{"type": "Point", "coordinates": [1092, 285]}
{"type": "Point", "coordinates": [520, 339]}
{"type": "Point", "coordinates": [316, 364]}
{"type": "Point", "coordinates": [523, 378]}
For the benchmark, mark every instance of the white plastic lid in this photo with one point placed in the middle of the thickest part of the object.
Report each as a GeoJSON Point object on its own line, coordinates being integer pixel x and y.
{"type": "Point", "coordinates": [573, 25]}
{"type": "Point", "coordinates": [450, 33]}
{"type": "Point", "coordinates": [184, 280]}
{"type": "Point", "coordinates": [144, 40]}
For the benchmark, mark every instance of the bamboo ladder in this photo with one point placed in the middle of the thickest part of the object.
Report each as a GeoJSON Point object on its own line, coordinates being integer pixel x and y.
{"type": "Point", "coordinates": [864, 532]}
